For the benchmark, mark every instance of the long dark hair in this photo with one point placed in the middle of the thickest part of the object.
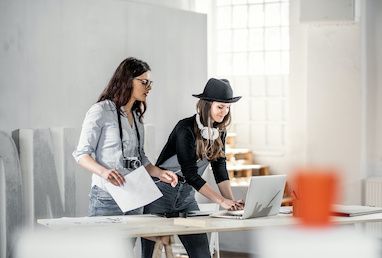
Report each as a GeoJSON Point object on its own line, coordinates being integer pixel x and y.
{"type": "Point", "coordinates": [207, 148]}
{"type": "Point", "coordinates": [120, 86]}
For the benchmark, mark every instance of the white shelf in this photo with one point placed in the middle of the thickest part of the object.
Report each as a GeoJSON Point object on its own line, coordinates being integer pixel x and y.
{"type": "Point", "coordinates": [245, 167]}
{"type": "Point", "coordinates": [237, 150]}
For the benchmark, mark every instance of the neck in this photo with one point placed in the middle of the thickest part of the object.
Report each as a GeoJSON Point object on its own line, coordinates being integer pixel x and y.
{"type": "Point", "coordinates": [210, 120]}
{"type": "Point", "coordinates": [129, 106]}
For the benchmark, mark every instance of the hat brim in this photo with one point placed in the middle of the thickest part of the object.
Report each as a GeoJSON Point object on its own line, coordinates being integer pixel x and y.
{"type": "Point", "coordinates": [231, 100]}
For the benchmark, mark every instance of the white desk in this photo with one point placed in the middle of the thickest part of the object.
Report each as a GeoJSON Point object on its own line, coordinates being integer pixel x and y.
{"type": "Point", "coordinates": [147, 225]}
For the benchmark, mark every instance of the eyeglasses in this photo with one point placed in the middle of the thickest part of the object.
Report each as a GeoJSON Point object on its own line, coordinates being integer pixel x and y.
{"type": "Point", "coordinates": [145, 82]}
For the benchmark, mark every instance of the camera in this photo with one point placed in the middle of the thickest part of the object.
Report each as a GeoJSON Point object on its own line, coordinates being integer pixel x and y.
{"type": "Point", "coordinates": [131, 163]}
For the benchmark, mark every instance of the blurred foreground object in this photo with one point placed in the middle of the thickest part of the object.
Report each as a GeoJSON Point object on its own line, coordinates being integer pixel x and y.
{"type": "Point", "coordinates": [314, 192]}
{"type": "Point", "coordinates": [316, 243]}
{"type": "Point", "coordinates": [73, 244]}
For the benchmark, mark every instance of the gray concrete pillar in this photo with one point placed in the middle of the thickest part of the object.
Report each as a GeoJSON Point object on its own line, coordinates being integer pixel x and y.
{"type": "Point", "coordinates": [11, 201]}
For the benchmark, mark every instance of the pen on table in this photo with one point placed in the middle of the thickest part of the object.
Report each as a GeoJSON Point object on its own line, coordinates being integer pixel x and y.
{"type": "Point", "coordinates": [176, 172]}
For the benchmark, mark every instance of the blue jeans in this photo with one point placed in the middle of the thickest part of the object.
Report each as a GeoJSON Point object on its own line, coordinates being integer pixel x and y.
{"type": "Point", "coordinates": [102, 204]}
{"type": "Point", "coordinates": [178, 199]}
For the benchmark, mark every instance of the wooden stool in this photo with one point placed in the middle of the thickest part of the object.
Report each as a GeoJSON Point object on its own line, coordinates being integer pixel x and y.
{"type": "Point", "coordinates": [159, 246]}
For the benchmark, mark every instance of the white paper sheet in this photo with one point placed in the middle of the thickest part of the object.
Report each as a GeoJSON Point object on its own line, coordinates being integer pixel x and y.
{"type": "Point", "coordinates": [138, 190]}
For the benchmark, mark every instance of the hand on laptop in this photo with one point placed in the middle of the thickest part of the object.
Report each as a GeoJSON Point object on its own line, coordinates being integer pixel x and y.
{"type": "Point", "coordinates": [232, 205]}
{"type": "Point", "coordinates": [239, 204]}
{"type": "Point", "coordinates": [227, 204]}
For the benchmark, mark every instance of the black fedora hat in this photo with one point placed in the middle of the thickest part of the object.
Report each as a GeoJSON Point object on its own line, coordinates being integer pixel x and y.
{"type": "Point", "coordinates": [218, 90]}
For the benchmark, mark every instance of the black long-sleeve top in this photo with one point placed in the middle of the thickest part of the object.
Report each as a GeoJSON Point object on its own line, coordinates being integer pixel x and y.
{"type": "Point", "coordinates": [182, 142]}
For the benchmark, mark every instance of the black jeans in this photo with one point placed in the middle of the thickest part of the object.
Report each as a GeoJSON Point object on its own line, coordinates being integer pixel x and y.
{"type": "Point", "coordinates": [178, 199]}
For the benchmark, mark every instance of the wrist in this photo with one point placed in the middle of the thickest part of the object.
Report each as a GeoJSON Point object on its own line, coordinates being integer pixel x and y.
{"type": "Point", "coordinates": [102, 172]}
{"type": "Point", "coordinates": [160, 173]}
{"type": "Point", "coordinates": [154, 171]}
{"type": "Point", "coordinates": [220, 200]}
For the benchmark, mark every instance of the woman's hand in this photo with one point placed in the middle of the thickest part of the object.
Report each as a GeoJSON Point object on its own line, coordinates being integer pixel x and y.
{"type": "Point", "coordinates": [239, 205]}
{"type": "Point", "coordinates": [227, 204]}
{"type": "Point", "coordinates": [169, 177]}
{"type": "Point", "coordinates": [232, 205]}
{"type": "Point", "coordinates": [113, 176]}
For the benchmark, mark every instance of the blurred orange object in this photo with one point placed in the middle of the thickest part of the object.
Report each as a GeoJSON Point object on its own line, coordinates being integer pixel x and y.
{"type": "Point", "coordinates": [314, 195]}
{"type": "Point", "coordinates": [296, 207]}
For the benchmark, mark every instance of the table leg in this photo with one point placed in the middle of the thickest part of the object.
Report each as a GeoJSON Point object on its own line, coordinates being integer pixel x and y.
{"type": "Point", "coordinates": [168, 251]}
{"type": "Point", "coordinates": [157, 253]}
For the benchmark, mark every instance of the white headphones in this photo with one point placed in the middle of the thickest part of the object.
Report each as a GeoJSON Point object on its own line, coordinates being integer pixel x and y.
{"type": "Point", "coordinates": [207, 133]}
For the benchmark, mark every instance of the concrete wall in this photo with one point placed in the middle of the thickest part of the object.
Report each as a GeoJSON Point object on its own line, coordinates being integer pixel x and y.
{"type": "Point", "coordinates": [55, 59]}
{"type": "Point", "coordinates": [11, 194]}
{"type": "Point", "coordinates": [378, 75]}
{"type": "Point", "coordinates": [372, 79]}
{"type": "Point", "coordinates": [297, 88]}
{"type": "Point", "coordinates": [334, 95]}
{"type": "Point", "coordinates": [334, 102]}
{"type": "Point", "coordinates": [57, 56]}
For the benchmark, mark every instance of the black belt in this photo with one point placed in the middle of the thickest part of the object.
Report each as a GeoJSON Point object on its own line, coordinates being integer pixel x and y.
{"type": "Point", "coordinates": [172, 214]}
{"type": "Point", "coordinates": [181, 179]}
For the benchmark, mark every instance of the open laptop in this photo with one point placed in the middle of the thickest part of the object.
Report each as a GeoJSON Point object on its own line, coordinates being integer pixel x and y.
{"type": "Point", "coordinates": [263, 198]}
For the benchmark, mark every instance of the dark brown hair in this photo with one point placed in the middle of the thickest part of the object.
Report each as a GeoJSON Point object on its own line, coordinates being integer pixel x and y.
{"type": "Point", "coordinates": [120, 86]}
{"type": "Point", "coordinates": [207, 148]}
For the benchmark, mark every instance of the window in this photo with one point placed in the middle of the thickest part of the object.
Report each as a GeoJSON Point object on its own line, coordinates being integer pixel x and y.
{"type": "Point", "coordinates": [252, 51]}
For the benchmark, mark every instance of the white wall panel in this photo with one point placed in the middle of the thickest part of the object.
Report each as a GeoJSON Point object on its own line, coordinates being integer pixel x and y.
{"type": "Point", "coordinates": [334, 103]}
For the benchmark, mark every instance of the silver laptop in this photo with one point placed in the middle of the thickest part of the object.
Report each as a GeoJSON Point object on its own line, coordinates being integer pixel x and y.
{"type": "Point", "coordinates": [264, 197]}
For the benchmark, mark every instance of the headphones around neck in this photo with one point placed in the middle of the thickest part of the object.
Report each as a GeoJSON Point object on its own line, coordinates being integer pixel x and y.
{"type": "Point", "coordinates": [207, 133]}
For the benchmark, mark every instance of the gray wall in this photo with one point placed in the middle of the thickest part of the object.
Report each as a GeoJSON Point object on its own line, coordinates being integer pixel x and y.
{"type": "Point", "coordinates": [372, 79]}
{"type": "Point", "coordinates": [335, 95]}
{"type": "Point", "coordinates": [57, 56]}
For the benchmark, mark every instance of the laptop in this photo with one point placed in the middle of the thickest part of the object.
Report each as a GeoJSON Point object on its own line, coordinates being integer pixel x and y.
{"type": "Point", "coordinates": [354, 210]}
{"type": "Point", "coordinates": [264, 197]}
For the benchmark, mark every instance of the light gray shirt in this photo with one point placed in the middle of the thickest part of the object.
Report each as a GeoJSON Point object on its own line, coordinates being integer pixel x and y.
{"type": "Point", "coordinates": [100, 138]}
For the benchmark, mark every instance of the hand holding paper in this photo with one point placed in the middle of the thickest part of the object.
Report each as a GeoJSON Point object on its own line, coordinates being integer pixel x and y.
{"type": "Point", "coordinates": [139, 189]}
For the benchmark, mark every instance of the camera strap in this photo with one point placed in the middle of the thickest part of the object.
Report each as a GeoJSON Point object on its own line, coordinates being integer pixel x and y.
{"type": "Point", "coordinates": [138, 137]}
{"type": "Point", "coordinates": [121, 134]}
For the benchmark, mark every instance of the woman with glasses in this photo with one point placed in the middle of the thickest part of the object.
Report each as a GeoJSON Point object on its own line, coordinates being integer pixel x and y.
{"type": "Point", "coordinates": [194, 143]}
{"type": "Point", "coordinates": [112, 136]}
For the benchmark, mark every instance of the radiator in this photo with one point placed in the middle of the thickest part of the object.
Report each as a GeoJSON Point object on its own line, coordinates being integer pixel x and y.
{"type": "Point", "coordinates": [373, 197]}
{"type": "Point", "coordinates": [373, 191]}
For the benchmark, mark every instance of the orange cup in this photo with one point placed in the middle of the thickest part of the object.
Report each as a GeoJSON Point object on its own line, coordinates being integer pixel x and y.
{"type": "Point", "coordinates": [296, 207]}
{"type": "Point", "coordinates": [314, 196]}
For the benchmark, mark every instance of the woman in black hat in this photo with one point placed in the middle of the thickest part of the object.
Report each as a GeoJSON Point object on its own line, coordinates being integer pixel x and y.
{"type": "Point", "coordinates": [194, 143]}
